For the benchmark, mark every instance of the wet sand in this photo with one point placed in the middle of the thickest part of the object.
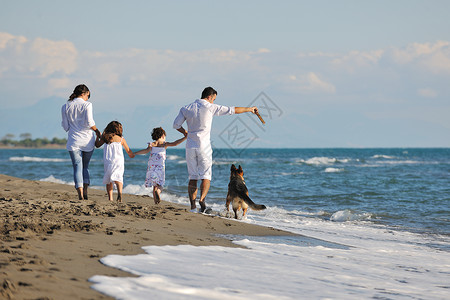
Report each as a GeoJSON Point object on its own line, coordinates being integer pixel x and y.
{"type": "Point", "coordinates": [51, 242]}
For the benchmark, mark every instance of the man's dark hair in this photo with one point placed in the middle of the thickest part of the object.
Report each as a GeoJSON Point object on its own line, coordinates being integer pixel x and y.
{"type": "Point", "coordinates": [209, 91]}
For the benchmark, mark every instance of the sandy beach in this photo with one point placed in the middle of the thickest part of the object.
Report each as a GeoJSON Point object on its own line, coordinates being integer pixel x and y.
{"type": "Point", "coordinates": [51, 242]}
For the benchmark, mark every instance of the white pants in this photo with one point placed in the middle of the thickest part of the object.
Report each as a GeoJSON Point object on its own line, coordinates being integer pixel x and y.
{"type": "Point", "coordinates": [199, 163]}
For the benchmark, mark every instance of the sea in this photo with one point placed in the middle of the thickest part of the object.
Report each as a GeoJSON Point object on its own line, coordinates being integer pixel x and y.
{"type": "Point", "coordinates": [371, 224]}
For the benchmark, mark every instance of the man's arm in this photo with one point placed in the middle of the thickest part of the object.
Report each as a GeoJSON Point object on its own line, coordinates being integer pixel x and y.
{"type": "Point", "coordinates": [240, 110]}
{"type": "Point", "coordinates": [99, 141]}
{"type": "Point", "coordinates": [183, 131]}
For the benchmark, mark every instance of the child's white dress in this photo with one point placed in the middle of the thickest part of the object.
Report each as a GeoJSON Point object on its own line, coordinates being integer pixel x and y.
{"type": "Point", "coordinates": [156, 170]}
{"type": "Point", "coordinates": [114, 162]}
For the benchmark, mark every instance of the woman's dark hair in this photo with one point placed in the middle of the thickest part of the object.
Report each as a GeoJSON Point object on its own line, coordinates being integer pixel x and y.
{"type": "Point", "coordinates": [112, 129]}
{"type": "Point", "coordinates": [78, 91]}
{"type": "Point", "coordinates": [209, 91]}
{"type": "Point", "coordinates": [157, 133]}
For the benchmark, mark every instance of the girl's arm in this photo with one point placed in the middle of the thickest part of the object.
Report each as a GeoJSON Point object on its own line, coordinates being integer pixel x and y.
{"type": "Point", "coordinates": [99, 141]}
{"type": "Point", "coordinates": [144, 151]}
{"type": "Point", "coordinates": [127, 149]}
{"type": "Point", "coordinates": [177, 142]}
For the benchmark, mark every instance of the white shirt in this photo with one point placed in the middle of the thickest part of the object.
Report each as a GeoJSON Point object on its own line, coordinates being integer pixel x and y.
{"type": "Point", "coordinates": [77, 120]}
{"type": "Point", "coordinates": [198, 116]}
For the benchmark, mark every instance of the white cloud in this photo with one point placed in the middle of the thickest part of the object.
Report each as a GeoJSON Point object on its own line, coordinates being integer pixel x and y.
{"type": "Point", "coordinates": [8, 40]}
{"type": "Point", "coordinates": [355, 60]}
{"type": "Point", "coordinates": [433, 58]}
{"type": "Point", "coordinates": [416, 50]}
{"type": "Point", "coordinates": [60, 84]}
{"type": "Point", "coordinates": [364, 81]}
{"type": "Point", "coordinates": [353, 76]}
{"type": "Point", "coordinates": [38, 58]}
{"type": "Point", "coordinates": [426, 57]}
{"type": "Point", "coordinates": [314, 83]}
{"type": "Point", "coordinates": [427, 93]}
{"type": "Point", "coordinates": [49, 57]}
{"type": "Point", "coordinates": [263, 50]}
{"type": "Point", "coordinates": [309, 83]}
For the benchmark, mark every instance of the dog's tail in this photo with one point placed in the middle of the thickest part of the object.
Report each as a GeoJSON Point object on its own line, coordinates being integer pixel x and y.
{"type": "Point", "coordinates": [252, 204]}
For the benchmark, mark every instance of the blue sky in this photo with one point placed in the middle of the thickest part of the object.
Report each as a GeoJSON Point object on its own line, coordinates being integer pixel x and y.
{"type": "Point", "coordinates": [333, 73]}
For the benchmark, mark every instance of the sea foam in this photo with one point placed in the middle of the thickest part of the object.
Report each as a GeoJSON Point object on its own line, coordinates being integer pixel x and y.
{"type": "Point", "coordinates": [342, 266]}
{"type": "Point", "coordinates": [37, 159]}
{"type": "Point", "coordinates": [322, 161]}
{"type": "Point", "coordinates": [53, 179]}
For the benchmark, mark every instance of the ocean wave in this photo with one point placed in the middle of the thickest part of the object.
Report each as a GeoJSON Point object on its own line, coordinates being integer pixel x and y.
{"type": "Point", "coordinates": [221, 163]}
{"type": "Point", "coordinates": [348, 215]}
{"type": "Point", "coordinates": [141, 190]}
{"type": "Point", "coordinates": [323, 161]}
{"type": "Point", "coordinates": [135, 189]}
{"type": "Point", "coordinates": [289, 173]}
{"type": "Point", "coordinates": [53, 179]}
{"type": "Point", "coordinates": [383, 156]}
{"type": "Point", "coordinates": [333, 170]}
{"type": "Point", "coordinates": [400, 162]}
{"type": "Point", "coordinates": [37, 159]}
{"type": "Point", "coordinates": [173, 157]}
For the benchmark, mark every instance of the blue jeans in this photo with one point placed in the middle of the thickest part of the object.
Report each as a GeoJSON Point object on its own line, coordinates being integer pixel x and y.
{"type": "Point", "coordinates": [80, 163]}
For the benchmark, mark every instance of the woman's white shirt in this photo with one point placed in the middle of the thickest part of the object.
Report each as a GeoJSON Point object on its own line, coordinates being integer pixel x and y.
{"type": "Point", "coordinates": [77, 120]}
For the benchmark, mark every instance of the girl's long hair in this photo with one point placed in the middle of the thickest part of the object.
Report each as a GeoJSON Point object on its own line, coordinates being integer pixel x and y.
{"type": "Point", "coordinates": [112, 129]}
{"type": "Point", "coordinates": [78, 91]}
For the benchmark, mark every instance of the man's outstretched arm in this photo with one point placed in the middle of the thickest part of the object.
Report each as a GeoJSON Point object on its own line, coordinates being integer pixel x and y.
{"type": "Point", "coordinates": [240, 110]}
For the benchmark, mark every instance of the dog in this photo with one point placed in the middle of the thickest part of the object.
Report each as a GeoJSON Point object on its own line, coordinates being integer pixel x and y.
{"type": "Point", "coordinates": [238, 193]}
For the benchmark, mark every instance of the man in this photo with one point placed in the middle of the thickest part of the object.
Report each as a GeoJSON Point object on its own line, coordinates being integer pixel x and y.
{"type": "Point", "coordinates": [198, 116]}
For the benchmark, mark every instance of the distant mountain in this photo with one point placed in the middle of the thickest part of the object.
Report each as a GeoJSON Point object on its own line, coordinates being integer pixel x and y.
{"type": "Point", "coordinates": [42, 119]}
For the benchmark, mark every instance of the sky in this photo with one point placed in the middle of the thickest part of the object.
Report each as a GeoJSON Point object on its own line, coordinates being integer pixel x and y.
{"type": "Point", "coordinates": [323, 73]}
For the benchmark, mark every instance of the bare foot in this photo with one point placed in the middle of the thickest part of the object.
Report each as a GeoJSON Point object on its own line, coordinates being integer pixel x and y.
{"type": "Point", "coordinates": [119, 198]}
{"type": "Point", "coordinates": [157, 198]}
{"type": "Point", "coordinates": [202, 206]}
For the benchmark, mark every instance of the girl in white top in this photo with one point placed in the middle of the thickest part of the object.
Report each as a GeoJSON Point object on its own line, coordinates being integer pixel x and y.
{"type": "Point", "coordinates": [155, 176]}
{"type": "Point", "coordinates": [113, 160]}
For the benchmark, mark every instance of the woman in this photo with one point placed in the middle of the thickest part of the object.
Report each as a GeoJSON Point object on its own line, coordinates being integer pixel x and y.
{"type": "Point", "coordinates": [78, 121]}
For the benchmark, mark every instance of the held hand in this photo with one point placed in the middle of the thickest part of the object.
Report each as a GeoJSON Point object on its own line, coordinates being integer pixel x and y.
{"type": "Point", "coordinates": [254, 110]}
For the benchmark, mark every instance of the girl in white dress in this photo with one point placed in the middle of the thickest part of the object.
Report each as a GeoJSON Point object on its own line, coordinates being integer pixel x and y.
{"type": "Point", "coordinates": [113, 160]}
{"type": "Point", "coordinates": [156, 176]}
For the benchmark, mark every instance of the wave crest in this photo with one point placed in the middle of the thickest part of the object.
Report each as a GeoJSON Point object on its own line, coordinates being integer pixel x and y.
{"type": "Point", "coordinates": [348, 215]}
{"type": "Point", "coordinates": [37, 159]}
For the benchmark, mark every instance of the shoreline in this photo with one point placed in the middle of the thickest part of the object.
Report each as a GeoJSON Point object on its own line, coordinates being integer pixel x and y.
{"type": "Point", "coordinates": [49, 146]}
{"type": "Point", "coordinates": [51, 242]}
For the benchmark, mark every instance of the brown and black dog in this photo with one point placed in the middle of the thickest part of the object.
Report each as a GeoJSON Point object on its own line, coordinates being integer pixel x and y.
{"type": "Point", "coordinates": [238, 193]}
